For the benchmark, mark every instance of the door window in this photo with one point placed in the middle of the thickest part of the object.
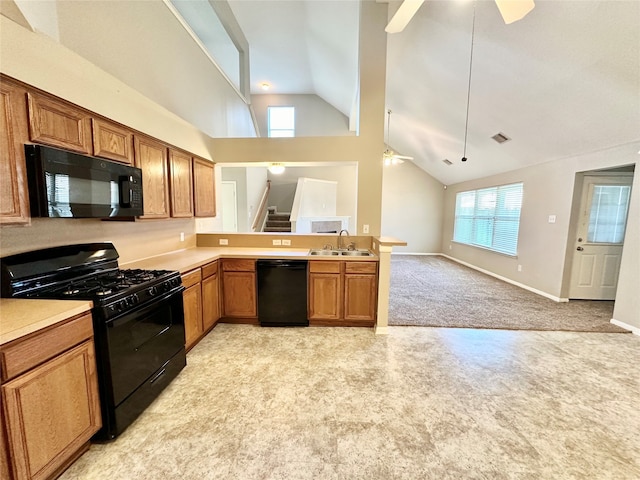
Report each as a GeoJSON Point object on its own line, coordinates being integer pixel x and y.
{"type": "Point", "coordinates": [608, 213]}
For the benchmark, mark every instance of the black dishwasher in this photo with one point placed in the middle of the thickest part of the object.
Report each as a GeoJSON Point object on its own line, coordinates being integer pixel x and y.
{"type": "Point", "coordinates": [282, 293]}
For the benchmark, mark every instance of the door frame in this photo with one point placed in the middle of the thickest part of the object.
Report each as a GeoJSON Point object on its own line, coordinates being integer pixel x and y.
{"type": "Point", "coordinates": [621, 170]}
{"type": "Point", "coordinates": [225, 210]}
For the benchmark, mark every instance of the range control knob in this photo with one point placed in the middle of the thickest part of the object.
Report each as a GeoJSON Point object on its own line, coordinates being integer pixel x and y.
{"type": "Point", "coordinates": [152, 291]}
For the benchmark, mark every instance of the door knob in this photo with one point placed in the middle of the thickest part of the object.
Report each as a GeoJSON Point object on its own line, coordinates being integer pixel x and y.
{"type": "Point", "coordinates": [580, 249]}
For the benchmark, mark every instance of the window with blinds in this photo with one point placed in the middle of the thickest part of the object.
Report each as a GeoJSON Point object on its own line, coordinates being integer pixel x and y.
{"type": "Point", "coordinates": [489, 218]}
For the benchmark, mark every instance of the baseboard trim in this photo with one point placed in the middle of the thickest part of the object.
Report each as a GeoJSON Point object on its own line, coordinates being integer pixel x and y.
{"type": "Point", "coordinates": [508, 280]}
{"type": "Point", "coordinates": [382, 330]}
{"type": "Point", "coordinates": [626, 326]}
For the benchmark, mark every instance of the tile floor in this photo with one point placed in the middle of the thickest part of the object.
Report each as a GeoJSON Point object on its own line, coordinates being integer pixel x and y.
{"type": "Point", "coordinates": [420, 403]}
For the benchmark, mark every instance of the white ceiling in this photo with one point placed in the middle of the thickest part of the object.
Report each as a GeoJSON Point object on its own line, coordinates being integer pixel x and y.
{"type": "Point", "coordinates": [564, 80]}
{"type": "Point", "coordinates": [303, 47]}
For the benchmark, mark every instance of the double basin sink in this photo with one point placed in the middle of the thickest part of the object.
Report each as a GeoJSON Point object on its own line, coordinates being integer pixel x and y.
{"type": "Point", "coordinates": [336, 253]}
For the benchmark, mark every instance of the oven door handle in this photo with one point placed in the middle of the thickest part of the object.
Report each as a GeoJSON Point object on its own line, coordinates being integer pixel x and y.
{"type": "Point", "coordinates": [158, 375]}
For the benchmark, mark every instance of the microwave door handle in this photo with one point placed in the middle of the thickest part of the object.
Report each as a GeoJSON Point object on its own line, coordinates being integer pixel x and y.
{"type": "Point", "coordinates": [124, 186]}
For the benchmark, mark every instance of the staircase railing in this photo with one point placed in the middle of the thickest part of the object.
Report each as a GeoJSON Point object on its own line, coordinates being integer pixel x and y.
{"type": "Point", "coordinates": [261, 214]}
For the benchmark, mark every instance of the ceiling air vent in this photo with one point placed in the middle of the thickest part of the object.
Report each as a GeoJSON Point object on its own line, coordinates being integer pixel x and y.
{"type": "Point", "coordinates": [448, 162]}
{"type": "Point", "coordinates": [500, 137]}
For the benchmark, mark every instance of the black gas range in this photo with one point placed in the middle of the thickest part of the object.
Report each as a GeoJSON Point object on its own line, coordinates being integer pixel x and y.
{"type": "Point", "coordinates": [138, 320]}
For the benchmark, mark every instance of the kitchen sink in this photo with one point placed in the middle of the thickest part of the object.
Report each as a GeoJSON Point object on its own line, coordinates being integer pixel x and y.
{"type": "Point", "coordinates": [351, 253]}
{"type": "Point", "coordinates": [324, 252]}
{"type": "Point", "coordinates": [357, 253]}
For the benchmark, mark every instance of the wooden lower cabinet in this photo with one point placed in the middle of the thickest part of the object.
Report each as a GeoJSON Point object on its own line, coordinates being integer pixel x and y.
{"type": "Point", "coordinates": [192, 299]}
{"type": "Point", "coordinates": [342, 293]}
{"type": "Point", "coordinates": [239, 292]}
{"type": "Point", "coordinates": [52, 409]}
{"type": "Point", "coordinates": [325, 296]}
{"type": "Point", "coordinates": [210, 295]}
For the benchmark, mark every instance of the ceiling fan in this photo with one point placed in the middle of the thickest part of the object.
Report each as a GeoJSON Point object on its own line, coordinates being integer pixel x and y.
{"type": "Point", "coordinates": [389, 157]}
{"type": "Point", "coordinates": [511, 11]}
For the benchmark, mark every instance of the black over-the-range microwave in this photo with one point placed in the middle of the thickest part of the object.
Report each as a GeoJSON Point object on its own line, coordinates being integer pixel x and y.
{"type": "Point", "coordinates": [70, 185]}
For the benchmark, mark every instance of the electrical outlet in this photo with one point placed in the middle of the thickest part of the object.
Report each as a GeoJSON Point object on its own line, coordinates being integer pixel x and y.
{"type": "Point", "coordinates": [277, 242]}
{"type": "Point", "coordinates": [223, 241]}
{"type": "Point", "coordinates": [286, 242]}
{"type": "Point", "coordinates": [182, 236]}
{"type": "Point", "coordinates": [365, 228]}
{"type": "Point", "coordinates": [450, 246]}
{"type": "Point", "coordinates": [552, 219]}
{"type": "Point", "coordinates": [519, 268]}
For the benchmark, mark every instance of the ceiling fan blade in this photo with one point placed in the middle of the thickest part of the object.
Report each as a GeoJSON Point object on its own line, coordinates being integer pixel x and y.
{"type": "Point", "coordinates": [403, 157]}
{"type": "Point", "coordinates": [403, 16]}
{"type": "Point", "coordinates": [514, 10]}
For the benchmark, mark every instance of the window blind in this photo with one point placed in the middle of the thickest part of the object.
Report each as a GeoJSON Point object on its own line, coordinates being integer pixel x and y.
{"type": "Point", "coordinates": [489, 218]}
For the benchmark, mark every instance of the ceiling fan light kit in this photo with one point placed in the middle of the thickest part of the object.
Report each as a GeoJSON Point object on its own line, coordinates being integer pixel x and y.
{"type": "Point", "coordinates": [389, 157]}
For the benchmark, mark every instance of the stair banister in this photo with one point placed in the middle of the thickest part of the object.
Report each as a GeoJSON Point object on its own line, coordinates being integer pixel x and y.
{"type": "Point", "coordinates": [261, 215]}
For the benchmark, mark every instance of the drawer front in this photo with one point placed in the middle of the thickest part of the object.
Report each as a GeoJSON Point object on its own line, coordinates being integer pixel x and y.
{"type": "Point", "coordinates": [22, 355]}
{"type": "Point", "coordinates": [361, 267]}
{"type": "Point", "coordinates": [191, 278]}
{"type": "Point", "coordinates": [239, 265]}
{"type": "Point", "coordinates": [324, 267]}
{"type": "Point", "coordinates": [210, 269]}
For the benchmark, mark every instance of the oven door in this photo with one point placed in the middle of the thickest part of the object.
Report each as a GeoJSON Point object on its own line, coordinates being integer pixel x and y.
{"type": "Point", "coordinates": [141, 341]}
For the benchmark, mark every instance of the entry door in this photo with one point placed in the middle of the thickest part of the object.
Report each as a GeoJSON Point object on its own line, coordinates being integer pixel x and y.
{"type": "Point", "coordinates": [600, 236]}
{"type": "Point", "coordinates": [229, 207]}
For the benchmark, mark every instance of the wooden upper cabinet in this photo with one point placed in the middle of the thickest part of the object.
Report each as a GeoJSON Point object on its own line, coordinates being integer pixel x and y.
{"type": "Point", "coordinates": [57, 123]}
{"type": "Point", "coordinates": [112, 141]}
{"type": "Point", "coordinates": [14, 203]}
{"type": "Point", "coordinates": [180, 183]}
{"type": "Point", "coordinates": [151, 157]}
{"type": "Point", "coordinates": [204, 193]}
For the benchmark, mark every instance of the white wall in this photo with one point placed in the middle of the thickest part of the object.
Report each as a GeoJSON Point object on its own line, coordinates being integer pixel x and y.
{"type": "Point", "coordinates": [256, 184]}
{"type": "Point", "coordinates": [412, 208]}
{"type": "Point", "coordinates": [542, 246]}
{"type": "Point", "coordinates": [313, 116]}
{"type": "Point", "coordinates": [144, 45]}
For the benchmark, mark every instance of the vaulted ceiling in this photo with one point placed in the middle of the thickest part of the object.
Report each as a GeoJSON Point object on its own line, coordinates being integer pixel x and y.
{"type": "Point", "coordinates": [564, 80]}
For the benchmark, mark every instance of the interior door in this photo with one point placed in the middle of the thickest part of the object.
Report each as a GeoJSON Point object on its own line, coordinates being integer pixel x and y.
{"type": "Point", "coordinates": [600, 237]}
{"type": "Point", "coordinates": [229, 207]}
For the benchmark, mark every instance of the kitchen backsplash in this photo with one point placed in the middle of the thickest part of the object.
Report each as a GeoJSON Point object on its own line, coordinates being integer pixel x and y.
{"type": "Point", "coordinates": [133, 240]}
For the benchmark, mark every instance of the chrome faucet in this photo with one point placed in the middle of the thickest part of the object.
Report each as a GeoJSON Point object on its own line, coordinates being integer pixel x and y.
{"type": "Point", "coordinates": [340, 246]}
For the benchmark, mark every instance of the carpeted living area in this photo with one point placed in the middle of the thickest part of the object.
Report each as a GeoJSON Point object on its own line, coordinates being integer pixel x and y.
{"type": "Point", "coordinates": [433, 291]}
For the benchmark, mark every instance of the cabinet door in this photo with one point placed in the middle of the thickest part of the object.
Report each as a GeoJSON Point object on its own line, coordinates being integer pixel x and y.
{"type": "Point", "coordinates": [210, 301]}
{"type": "Point", "coordinates": [151, 157]}
{"type": "Point", "coordinates": [51, 412]}
{"type": "Point", "coordinates": [325, 296]}
{"type": "Point", "coordinates": [14, 204]}
{"type": "Point", "coordinates": [204, 192]}
{"type": "Point", "coordinates": [192, 298]}
{"type": "Point", "coordinates": [180, 184]}
{"type": "Point", "coordinates": [239, 294]}
{"type": "Point", "coordinates": [360, 297]}
{"type": "Point", "coordinates": [57, 123]}
{"type": "Point", "coordinates": [112, 141]}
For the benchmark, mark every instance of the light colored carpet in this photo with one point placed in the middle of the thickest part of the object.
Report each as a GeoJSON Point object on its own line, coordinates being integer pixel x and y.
{"type": "Point", "coordinates": [433, 291]}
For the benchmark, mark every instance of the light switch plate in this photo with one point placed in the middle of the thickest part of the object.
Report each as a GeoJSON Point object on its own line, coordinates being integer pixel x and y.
{"type": "Point", "coordinates": [277, 242]}
{"type": "Point", "coordinates": [286, 242]}
{"type": "Point", "coordinates": [223, 241]}
{"type": "Point", "coordinates": [365, 228]}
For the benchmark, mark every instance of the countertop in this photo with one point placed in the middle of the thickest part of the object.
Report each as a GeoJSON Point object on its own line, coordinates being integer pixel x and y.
{"type": "Point", "coordinates": [188, 259]}
{"type": "Point", "coordinates": [20, 317]}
